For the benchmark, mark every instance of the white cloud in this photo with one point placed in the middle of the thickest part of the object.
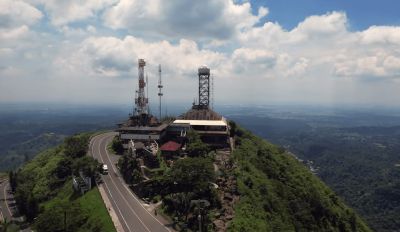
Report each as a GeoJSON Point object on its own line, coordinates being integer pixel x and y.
{"type": "Point", "coordinates": [14, 13]}
{"type": "Point", "coordinates": [112, 56]}
{"type": "Point", "coordinates": [330, 24]}
{"type": "Point", "coordinates": [251, 62]}
{"type": "Point", "coordinates": [324, 43]}
{"type": "Point", "coordinates": [381, 35]}
{"type": "Point", "coordinates": [63, 12]}
{"type": "Point", "coordinates": [215, 19]}
{"type": "Point", "coordinates": [14, 33]}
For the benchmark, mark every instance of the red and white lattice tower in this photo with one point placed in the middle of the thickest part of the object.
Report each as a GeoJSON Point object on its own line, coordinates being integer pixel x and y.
{"type": "Point", "coordinates": [141, 101]}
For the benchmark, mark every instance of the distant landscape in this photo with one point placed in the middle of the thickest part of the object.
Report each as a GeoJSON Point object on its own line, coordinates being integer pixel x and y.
{"type": "Point", "coordinates": [355, 151]}
{"type": "Point", "coordinates": [27, 129]}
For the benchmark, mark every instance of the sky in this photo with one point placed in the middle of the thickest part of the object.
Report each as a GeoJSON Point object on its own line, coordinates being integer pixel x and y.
{"type": "Point", "coordinates": [260, 52]}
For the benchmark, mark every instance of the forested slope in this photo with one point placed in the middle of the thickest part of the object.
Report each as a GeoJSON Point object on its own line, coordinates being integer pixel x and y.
{"type": "Point", "coordinates": [44, 193]}
{"type": "Point", "coordinates": [278, 193]}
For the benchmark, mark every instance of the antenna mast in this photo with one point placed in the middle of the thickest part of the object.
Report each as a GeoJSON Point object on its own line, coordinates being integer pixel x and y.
{"type": "Point", "coordinates": [160, 86]}
{"type": "Point", "coordinates": [204, 87]}
{"type": "Point", "coordinates": [212, 91]}
{"type": "Point", "coordinates": [141, 101]}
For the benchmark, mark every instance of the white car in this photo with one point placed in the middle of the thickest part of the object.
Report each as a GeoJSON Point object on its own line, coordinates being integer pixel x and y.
{"type": "Point", "coordinates": [104, 169]}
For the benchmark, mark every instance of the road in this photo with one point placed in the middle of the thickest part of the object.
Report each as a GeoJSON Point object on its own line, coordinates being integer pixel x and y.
{"type": "Point", "coordinates": [130, 211]}
{"type": "Point", "coordinates": [6, 201]}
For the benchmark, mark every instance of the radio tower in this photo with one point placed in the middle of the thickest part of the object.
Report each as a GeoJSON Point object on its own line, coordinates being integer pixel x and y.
{"type": "Point", "coordinates": [160, 86]}
{"type": "Point", "coordinates": [212, 91]}
{"type": "Point", "coordinates": [141, 101]}
{"type": "Point", "coordinates": [204, 87]}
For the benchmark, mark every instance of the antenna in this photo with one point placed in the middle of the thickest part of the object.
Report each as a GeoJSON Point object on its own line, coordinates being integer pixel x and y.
{"type": "Point", "coordinates": [140, 100]}
{"type": "Point", "coordinates": [204, 87]}
{"type": "Point", "coordinates": [212, 91]}
{"type": "Point", "coordinates": [160, 86]}
{"type": "Point", "coordinates": [147, 91]}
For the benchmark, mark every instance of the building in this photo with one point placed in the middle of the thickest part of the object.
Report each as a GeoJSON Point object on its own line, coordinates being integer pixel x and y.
{"type": "Point", "coordinates": [212, 127]}
{"type": "Point", "coordinates": [170, 149]}
{"type": "Point", "coordinates": [141, 125]}
{"type": "Point", "coordinates": [212, 132]}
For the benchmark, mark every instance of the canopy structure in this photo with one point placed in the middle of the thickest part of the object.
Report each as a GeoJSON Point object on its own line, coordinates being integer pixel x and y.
{"type": "Point", "coordinates": [170, 146]}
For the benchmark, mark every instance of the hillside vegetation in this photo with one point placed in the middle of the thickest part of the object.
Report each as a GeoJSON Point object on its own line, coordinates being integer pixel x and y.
{"type": "Point", "coordinates": [278, 193]}
{"type": "Point", "coordinates": [44, 193]}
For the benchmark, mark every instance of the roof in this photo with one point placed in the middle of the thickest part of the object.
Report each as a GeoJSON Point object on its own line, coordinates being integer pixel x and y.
{"type": "Point", "coordinates": [201, 114]}
{"type": "Point", "coordinates": [170, 146]}
{"type": "Point", "coordinates": [143, 128]}
{"type": "Point", "coordinates": [201, 122]}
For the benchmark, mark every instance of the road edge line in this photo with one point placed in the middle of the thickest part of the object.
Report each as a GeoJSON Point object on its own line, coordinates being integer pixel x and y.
{"type": "Point", "coordinates": [114, 218]}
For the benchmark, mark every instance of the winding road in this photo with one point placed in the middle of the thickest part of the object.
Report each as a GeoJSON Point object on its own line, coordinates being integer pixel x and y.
{"type": "Point", "coordinates": [130, 214]}
{"type": "Point", "coordinates": [6, 201]}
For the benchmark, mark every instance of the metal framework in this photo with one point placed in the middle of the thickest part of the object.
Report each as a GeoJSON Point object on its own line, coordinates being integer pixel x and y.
{"type": "Point", "coordinates": [160, 86]}
{"type": "Point", "coordinates": [212, 91]}
{"type": "Point", "coordinates": [141, 100]}
{"type": "Point", "coordinates": [204, 87]}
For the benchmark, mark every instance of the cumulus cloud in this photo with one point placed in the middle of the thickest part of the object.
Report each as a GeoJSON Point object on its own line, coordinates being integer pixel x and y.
{"type": "Point", "coordinates": [381, 35]}
{"type": "Point", "coordinates": [13, 33]}
{"type": "Point", "coordinates": [219, 19]}
{"type": "Point", "coordinates": [14, 13]}
{"type": "Point", "coordinates": [111, 56]}
{"type": "Point", "coordinates": [63, 12]}
{"type": "Point", "coordinates": [251, 58]}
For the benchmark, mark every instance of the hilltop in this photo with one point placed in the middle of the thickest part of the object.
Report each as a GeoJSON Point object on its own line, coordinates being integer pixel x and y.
{"type": "Point", "coordinates": [261, 188]}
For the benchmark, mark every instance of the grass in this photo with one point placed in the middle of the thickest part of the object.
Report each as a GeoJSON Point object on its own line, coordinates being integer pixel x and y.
{"type": "Point", "coordinates": [93, 203]}
{"type": "Point", "coordinates": [90, 203]}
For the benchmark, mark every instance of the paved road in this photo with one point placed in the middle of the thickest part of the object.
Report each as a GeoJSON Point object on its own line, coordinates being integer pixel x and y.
{"type": "Point", "coordinates": [131, 213]}
{"type": "Point", "coordinates": [6, 201]}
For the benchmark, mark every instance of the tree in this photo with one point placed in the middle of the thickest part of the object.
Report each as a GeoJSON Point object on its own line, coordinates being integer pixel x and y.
{"type": "Point", "coordinates": [76, 146]}
{"type": "Point", "coordinates": [86, 164]}
{"type": "Point", "coordinates": [32, 208]}
{"type": "Point", "coordinates": [116, 145]}
{"type": "Point", "coordinates": [232, 128]}
{"type": "Point", "coordinates": [63, 168]}
{"type": "Point", "coordinates": [129, 169]}
{"type": "Point", "coordinates": [195, 146]}
{"type": "Point", "coordinates": [12, 176]}
{"type": "Point", "coordinates": [191, 174]}
{"type": "Point", "coordinates": [61, 216]}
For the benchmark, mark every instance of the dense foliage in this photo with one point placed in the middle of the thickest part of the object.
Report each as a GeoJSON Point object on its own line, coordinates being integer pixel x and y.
{"type": "Point", "coordinates": [178, 186]}
{"type": "Point", "coordinates": [116, 145]}
{"type": "Point", "coordinates": [359, 162]}
{"type": "Point", "coordinates": [277, 193]}
{"type": "Point", "coordinates": [44, 191]}
{"type": "Point", "coordinates": [195, 147]}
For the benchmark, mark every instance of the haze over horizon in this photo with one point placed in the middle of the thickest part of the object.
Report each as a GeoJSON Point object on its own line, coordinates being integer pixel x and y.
{"type": "Point", "coordinates": [260, 52]}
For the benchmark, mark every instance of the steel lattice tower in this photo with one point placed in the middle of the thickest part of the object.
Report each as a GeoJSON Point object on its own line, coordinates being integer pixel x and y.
{"type": "Point", "coordinates": [204, 87]}
{"type": "Point", "coordinates": [141, 101]}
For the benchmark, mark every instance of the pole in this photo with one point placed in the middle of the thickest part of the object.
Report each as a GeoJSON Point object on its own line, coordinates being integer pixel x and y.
{"type": "Point", "coordinates": [199, 218]}
{"type": "Point", "coordinates": [65, 221]}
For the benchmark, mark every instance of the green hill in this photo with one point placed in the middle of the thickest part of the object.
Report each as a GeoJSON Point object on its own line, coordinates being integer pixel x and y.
{"type": "Point", "coordinates": [278, 193]}
{"type": "Point", "coordinates": [44, 193]}
{"type": "Point", "coordinates": [273, 190]}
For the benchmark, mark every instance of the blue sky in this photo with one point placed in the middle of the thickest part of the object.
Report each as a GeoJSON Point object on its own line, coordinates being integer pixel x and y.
{"type": "Point", "coordinates": [260, 52]}
{"type": "Point", "coordinates": [362, 13]}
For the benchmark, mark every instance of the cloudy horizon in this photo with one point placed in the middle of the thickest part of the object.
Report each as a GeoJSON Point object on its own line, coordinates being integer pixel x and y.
{"type": "Point", "coordinates": [67, 51]}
